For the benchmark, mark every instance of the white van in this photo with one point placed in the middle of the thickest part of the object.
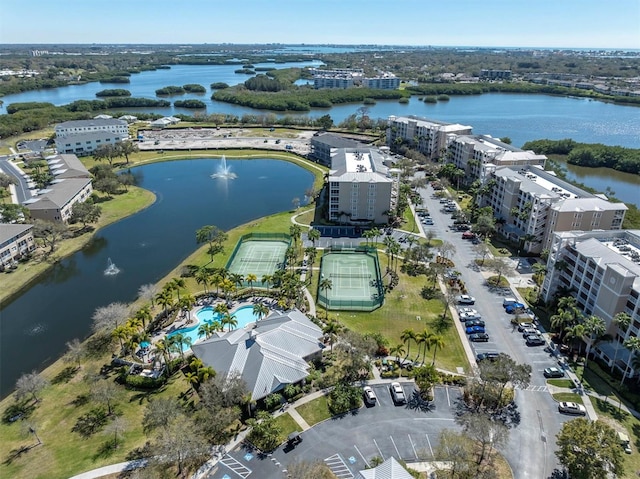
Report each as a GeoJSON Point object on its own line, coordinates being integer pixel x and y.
{"type": "Point", "coordinates": [508, 301]}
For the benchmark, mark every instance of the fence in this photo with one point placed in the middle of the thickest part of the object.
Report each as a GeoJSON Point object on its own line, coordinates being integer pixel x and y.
{"type": "Point", "coordinates": [258, 237]}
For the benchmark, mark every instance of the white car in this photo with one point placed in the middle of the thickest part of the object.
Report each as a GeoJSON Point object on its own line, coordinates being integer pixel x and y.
{"type": "Point", "coordinates": [397, 393]}
{"type": "Point", "coordinates": [467, 310]}
{"type": "Point", "coordinates": [369, 395]}
{"type": "Point", "coordinates": [469, 316]}
{"type": "Point", "coordinates": [572, 408]}
{"type": "Point", "coordinates": [465, 299]}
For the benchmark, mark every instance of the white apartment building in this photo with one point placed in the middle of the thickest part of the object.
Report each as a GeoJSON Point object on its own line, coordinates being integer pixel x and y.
{"type": "Point", "coordinates": [348, 78]}
{"type": "Point", "coordinates": [602, 269]}
{"type": "Point", "coordinates": [325, 145]}
{"type": "Point", "coordinates": [16, 240]}
{"type": "Point", "coordinates": [77, 127]}
{"type": "Point", "coordinates": [362, 188]}
{"type": "Point", "coordinates": [430, 137]}
{"type": "Point", "coordinates": [533, 203]}
{"type": "Point", "coordinates": [84, 144]}
{"type": "Point", "coordinates": [480, 155]}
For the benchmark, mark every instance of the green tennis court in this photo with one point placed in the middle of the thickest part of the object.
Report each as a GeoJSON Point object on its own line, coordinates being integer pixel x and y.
{"type": "Point", "coordinates": [355, 280]}
{"type": "Point", "coordinates": [257, 256]}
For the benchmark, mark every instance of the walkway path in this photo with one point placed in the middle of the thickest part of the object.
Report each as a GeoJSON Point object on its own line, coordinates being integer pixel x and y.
{"type": "Point", "coordinates": [112, 469]}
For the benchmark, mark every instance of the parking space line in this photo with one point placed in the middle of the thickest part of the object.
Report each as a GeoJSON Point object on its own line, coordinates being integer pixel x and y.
{"type": "Point", "coordinates": [430, 448]}
{"type": "Point", "coordinates": [395, 447]}
{"type": "Point", "coordinates": [448, 398]}
{"type": "Point", "coordinates": [338, 467]}
{"type": "Point", "coordinates": [413, 446]}
{"type": "Point", "coordinates": [378, 448]}
{"type": "Point", "coordinates": [365, 461]}
{"type": "Point", "coordinates": [236, 466]}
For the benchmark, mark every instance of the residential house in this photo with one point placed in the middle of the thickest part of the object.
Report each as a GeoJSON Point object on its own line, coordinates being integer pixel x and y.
{"type": "Point", "coordinates": [16, 240]}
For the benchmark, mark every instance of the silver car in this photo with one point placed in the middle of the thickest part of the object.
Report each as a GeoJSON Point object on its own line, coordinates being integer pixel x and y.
{"type": "Point", "coordinates": [397, 393]}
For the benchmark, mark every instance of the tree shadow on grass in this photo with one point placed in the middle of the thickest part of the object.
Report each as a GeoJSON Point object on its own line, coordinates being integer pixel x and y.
{"type": "Point", "coordinates": [612, 409]}
{"type": "Point", "coordinates": [18, 410]}
{"type": "Point", "coordinates": [106, 449]}
{"type": "Point", "coordinates": [65, 375]}
{"type": "Point", "coordinates": [17, 453]}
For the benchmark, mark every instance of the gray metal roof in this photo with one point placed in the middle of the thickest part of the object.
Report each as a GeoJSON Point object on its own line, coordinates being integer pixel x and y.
{"type": "Point", "coordinates": [389, 469]}
{"type": "Point", "coordinates": [58, 194]}
{"type": "Point", "coordinates": [335, 141]}
{"type": "Point", "coordinates": [267, 356]}
{"type": "Point", "coordinates": [67, 166]}
{"type": "Point", "coordinates": [88, 136]}
{"type": "Point", "coordinates": [10, 231]}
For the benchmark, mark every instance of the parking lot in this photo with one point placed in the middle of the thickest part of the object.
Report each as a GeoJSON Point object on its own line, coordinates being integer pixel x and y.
{"type": "Point", "coordinates": [349, 443]}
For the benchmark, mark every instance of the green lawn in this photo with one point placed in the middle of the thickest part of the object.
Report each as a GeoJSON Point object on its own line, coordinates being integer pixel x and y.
{"type": "Point", "coordinates": [568, 397]}
{"type": "Point", "coordinates": [315, 411]}
{"type": "Point", "coordinates": [608, 410]}
{"type": "Point", "coordinates": [409, 223]}
{"type": "Point", "coordinates": [561, 383]}
{"type": "Point", "coordinates": [287, 425]}
{"type": "Point", "coordinates": [63, 452]}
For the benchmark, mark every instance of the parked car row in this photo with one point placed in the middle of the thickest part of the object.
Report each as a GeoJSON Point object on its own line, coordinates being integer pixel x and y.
{"type": "Point", "coordinates": [473, 323]}
{"type": "Point", "coordinates": [395, 389]}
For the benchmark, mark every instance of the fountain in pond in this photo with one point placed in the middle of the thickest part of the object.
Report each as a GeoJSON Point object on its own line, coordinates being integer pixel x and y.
{"type": "Point", "coordinates": [224, 171]}
{"type": "Point", "coordinates": [112, 269]}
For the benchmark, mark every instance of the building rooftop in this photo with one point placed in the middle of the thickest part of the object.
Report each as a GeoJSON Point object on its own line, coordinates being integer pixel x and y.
{"type": "Point", "coordinates": [444, 126]}
{"type": "Point", "coordinates": [359, 164]}
{"type": "Point", "coordinates": [57, 194]}
{"type": "Point", "coordinates": [88, 123]}
{"type": "Point", "coordinates": [10, 231]}
{"type": "Point", "coordinates": [67, 166]}
{"type": "Point", "coordinates": [536, 181]}
{"type": "Point", "coordinates": [335, 141]}
{"type": "Point", "coordinates": [88, 136]}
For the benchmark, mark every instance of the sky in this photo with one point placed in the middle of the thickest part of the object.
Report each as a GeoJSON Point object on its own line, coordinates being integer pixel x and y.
{"type": "Point", "coordinates": [485, 23]}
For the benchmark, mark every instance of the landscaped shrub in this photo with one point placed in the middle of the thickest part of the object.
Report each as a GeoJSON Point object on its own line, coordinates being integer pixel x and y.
{"type": "Point", "coordinates": [273, 401]}
{"type": "Point", "coordinates": [141, 382]}
{"type": "Point", "coordinates": [343, 398]}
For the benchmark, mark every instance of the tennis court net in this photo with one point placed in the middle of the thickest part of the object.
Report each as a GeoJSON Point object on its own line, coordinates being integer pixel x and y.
{"type": "Point", "coordinates": [354, 276]}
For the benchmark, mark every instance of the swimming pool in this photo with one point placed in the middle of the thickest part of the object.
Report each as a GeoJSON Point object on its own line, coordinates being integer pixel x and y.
{"type": "Point", "coordinates": [244, 316]}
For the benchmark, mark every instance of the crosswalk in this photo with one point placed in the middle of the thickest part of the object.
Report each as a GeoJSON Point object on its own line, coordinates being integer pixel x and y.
{"type": "Point", "coordinates": [338, 467]}
{"type": "Point", "coordinates": [236, 466]}
{"type": "Point", "coordinates": [534, 388]}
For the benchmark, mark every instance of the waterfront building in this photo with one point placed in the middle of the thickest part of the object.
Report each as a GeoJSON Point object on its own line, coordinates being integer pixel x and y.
{"type": "Point", "coordinates": [353, 77]}
{"type": "Point", "coordinates": [77, 127]}
{"type": "Point", "coordinates": [490, 75]}
{"type": "Point", "coordinates": [83, 144]}
{"type": "Point", "coordinates": [602, 271]}
{"type": "Point", "coordinates": [16, 240]}
{"type": "Point", "coordinates": [480, 155]}
{"type": "Point", "coordinates": [532, 204]}
{"type": "Point", "coordinates": [429, 137]}
{"type": "Point", "coordinates": [325, 145]}
{"type": "Point", "coordinates": [362, 186]}
{"type": "Point", "coordinates": [71, 184]}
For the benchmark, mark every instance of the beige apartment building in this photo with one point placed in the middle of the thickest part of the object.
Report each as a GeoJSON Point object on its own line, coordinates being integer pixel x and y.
{"type": "Point", "coordinates": [480, 155]}
{"type": "Point", "coordinates": [602, 270]}
{"type": "Point", "coordinates": [362, 187]}
{"type": "Point", "coordinates": [429, 137]}
{"type": "Point", "coordinates": [532, 204]}
{"type": "Point", "coordinates": [16, 240]}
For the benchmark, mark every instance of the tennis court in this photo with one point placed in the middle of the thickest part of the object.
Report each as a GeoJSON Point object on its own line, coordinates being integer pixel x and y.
{"type": "Point", "coordinates": [355, 280]}
{"type": "Point", "coordinates": [257, 256]}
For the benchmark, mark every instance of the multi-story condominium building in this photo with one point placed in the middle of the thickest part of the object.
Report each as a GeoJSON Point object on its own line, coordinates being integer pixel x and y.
{"type": "Point", "coordinates": [602, 270]}
{"type": "Point", "coordinates": [532, 204]}
{"type": "Point", "coordinates": [495, 74]}
{"type": "Point", "coordinates": [325, 145]}
{"type": "Point", "coordinates": [480, 155]}
{"type": "Point", "coordinates": [71, 184]}
{"type": "Point", "coordinates": [77, 127]}
{"type": "Point", "coordinates": [362, 188]}
{"type": "Point", "coordinates": [16, 240]}
{"type": "Point", "coordinates": [347, 78]}
{"type": "Point", "coordinates": [84, 144]}
{"type": "Point", "coordinates": [429, 137]}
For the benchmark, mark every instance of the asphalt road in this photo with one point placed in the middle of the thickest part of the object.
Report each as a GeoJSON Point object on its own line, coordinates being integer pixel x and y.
{"type": "Point", "coordinates": [23, 191]}
{"type": "Point", "coordinates": [348, 444]}
{"type": "Point", "coordinates": [530, 449]}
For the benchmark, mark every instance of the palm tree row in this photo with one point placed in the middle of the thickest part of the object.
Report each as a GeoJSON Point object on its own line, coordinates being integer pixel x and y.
{"type": "Point", "coordinates": [424, 339]}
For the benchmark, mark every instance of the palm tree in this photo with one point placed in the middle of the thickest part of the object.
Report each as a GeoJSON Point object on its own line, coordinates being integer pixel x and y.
{"type": "Point", "coordinates": [325, 285]}
{"type": "Point", "coordinates": [260, 310]}
{"type": "Point", "coordinates": [204, 330]}
{"type": "Point", "coordinates": [144, 315]}
{"type": "Point", "coordinates": [407, 336]}
{"type": "Point", "coordinates": [192, 379]}
{"type": "Point", "coordinates": [205, 373]}
{"type": "Point", "coordinates": [165, 299]}
{"type": "Point", "coordinates": [295, 231]}
{"type": "Point", "coordinates": [331, 331]}
{"type": "Point", "coordinates": [237, 280]}
{"type": "Point", "coordinates": [221, 309]}
{"type": "Point", "coordinates": [397, 351]}
{"type": "Point", "coordinates": [622, 320]}
{"type": "Point", "coordinates": [561, 322]}
{"type": "Point", "coordinates": [437, 342]}
{"type": "Point", "coordinates": [267, 280]}
{"type": "Point", "coordinates": [229, 320]}
{"type": "Point", "coordinates": [313, 235]}
{"type": "Point", "coordinates": [251, 278]}
{"type": "Point", "coordinates": [595, 328]}
{"type": "Point", "coordinates": [423, 338]}
{"type": "Point", "coordinates": [573, 332]}
{"type": "Point", "coordinates": [203, 276]}
{"type": "Point", "coordinates": [122, 333]}
{"type": "Point", "coordinates": [177, 284]}
{"type": "Point", "coordinates": [195, 363]}
{"type": "Point", "coordinates": [633, 345]}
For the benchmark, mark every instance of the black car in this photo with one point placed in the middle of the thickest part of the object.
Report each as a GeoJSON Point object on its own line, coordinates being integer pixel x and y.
{"type": "Point", "coordinates": [491, 356]}
{"type": "Point", "coordinates": [479, 337]}
{"type": "Point", "coordinates": [473, 322]}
